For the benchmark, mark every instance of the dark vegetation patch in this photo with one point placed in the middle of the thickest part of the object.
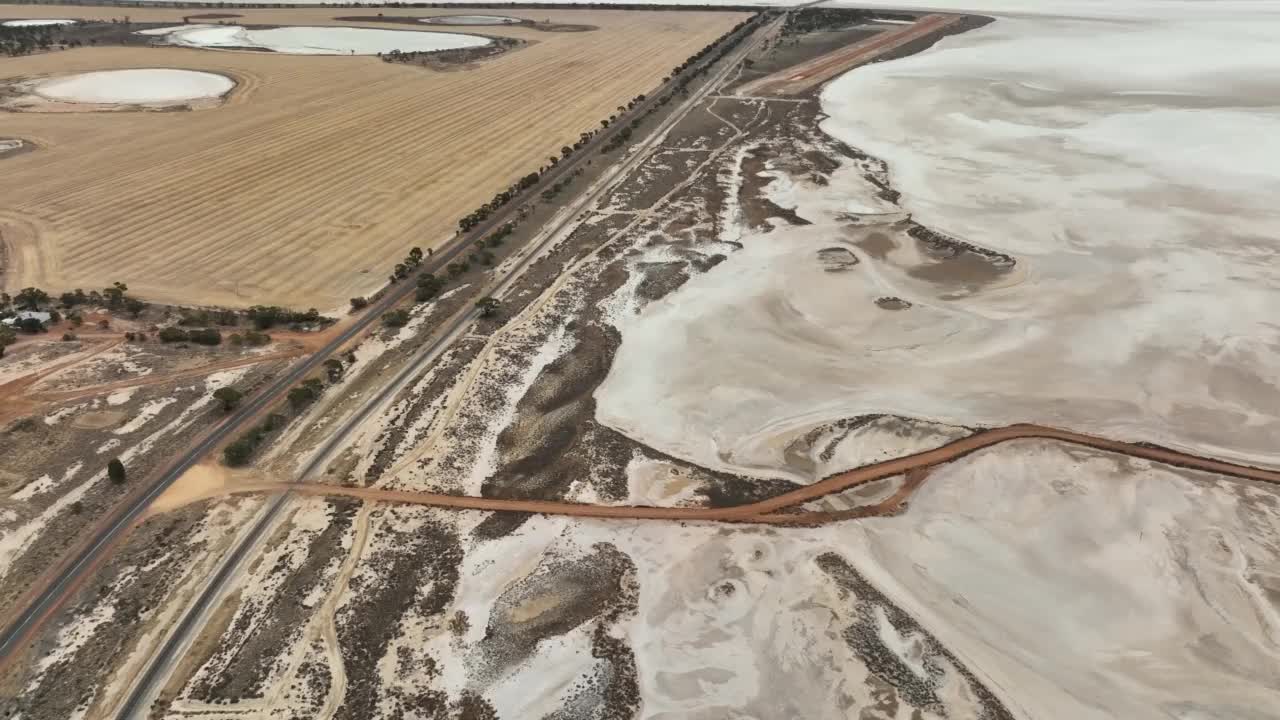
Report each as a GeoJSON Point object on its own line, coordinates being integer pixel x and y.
{"type": "Point", "coordinates": [757, 208]}
{"type": "Point", "coordinates": [557, 597]}
{"type": "Point", "coordinates": [790, 50]}
{"type": "Point", "coordinates": [863, 637]}
{"type": "Point", "coordinates": [142, 576]}
{"type": "Point", "coordinates": [957, 263]}
{"type": "Point", "coordinates": [33, 447]}
{"type": "Point", "coordinates": [416, 568]}
{"type": "Point", "coordinates": [446, 373]}
{"type": "Point", "coordinates": [837, 259]}
{"type": "Point", "coordinates": [262, 639]}
{"type": "Point", "coordinates": [661, 279]}
{"type": "Point", "coordinates": [891, 302]}
{"type": "Point", "coordinates": [457, 58]}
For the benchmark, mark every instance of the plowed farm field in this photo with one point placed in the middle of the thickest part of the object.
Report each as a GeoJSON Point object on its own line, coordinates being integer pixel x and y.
{"type": "Point", "coordinates": [319, 172]}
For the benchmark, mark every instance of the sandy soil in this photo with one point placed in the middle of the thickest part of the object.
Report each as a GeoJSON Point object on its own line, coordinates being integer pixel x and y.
{"type": "Point", "coordinates": [268, 200]}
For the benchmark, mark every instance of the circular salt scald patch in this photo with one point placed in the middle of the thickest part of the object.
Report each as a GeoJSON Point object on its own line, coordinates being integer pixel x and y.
{"type": "Point", "coordinates": [38, 23]}
{"type": "Point", "coordinates": [149, 85]}
{"type": "Point", "coordinates": [302, 40]}
{"type": "Point", "coordinates": [471, 20]}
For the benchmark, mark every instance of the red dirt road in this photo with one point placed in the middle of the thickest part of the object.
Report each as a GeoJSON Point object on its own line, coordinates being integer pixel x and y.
{"type": "Point", "coordinates": [769, 512]}
{"type": "Point", "coordinates": [798, 78]}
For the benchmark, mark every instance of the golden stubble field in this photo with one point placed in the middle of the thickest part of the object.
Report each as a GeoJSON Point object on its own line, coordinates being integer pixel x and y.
{"type": "Point", "coordinates": [320, 172]}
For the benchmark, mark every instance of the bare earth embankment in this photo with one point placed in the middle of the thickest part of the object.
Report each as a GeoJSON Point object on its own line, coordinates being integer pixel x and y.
{"type": "Point", "coordinates": [319, 172]}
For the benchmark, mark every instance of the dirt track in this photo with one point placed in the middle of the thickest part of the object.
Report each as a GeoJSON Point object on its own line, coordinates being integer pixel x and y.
{"type": "Point", "coordinates": [320, 172]}
{"type": "Point", "coordinates": [799, 78]}
{"type": "Point", "coordinates": [768, 511]}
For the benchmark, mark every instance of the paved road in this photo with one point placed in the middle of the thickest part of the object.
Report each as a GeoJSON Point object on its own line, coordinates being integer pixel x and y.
{"type": "Point", "coordinates": [150, 681]}
{"type": "Point", "coordinates": [52, 592]}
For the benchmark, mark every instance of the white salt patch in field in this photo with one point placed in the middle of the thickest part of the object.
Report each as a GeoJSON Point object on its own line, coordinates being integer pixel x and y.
{"type": "Point", "coordinates": [108, 446]}
{"type": "Point", "coordinates": [45, 483]}
{"type": "Point", "coordinates": [148, 411]}
{"type": "Point", "coordinates": [120, 397]}
{"type": "Point", "coordinates": [323, 40]}
{"type": "Point", "coordinates": [145, 85]}
{"type": "Point", "coordinates": [61, 414]}
{"type": "Point", "coordinates": [38, 22]}
{"type": "Point", "coordinates": [23, 360]}
{"type": "Point", "coordinates": [15, 542]}
{"type": "Point", "coordinates": [225, 378]}
{"type": "Point", "coordinates": [71, 637]}
{"type": "Point", "coordinates": [471, 20]}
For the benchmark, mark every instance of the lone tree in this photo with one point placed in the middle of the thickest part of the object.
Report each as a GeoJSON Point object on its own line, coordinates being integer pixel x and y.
{"type": "Point", "coordinates": [115, 294]}
{"type": "Point", "coordinates": [333, 367]}
{"type": "Point", "coordinates": [238, 452]}
{"type": "Point", "coordinates": [115, 471]}
{"type": "Point", "coordinates": [488, 306]}
{"type": "Point", "coordinates": [228, 396]}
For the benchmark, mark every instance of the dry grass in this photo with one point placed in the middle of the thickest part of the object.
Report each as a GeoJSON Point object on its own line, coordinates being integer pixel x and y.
{"type": "Point", "coordinates": [319, 172]}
